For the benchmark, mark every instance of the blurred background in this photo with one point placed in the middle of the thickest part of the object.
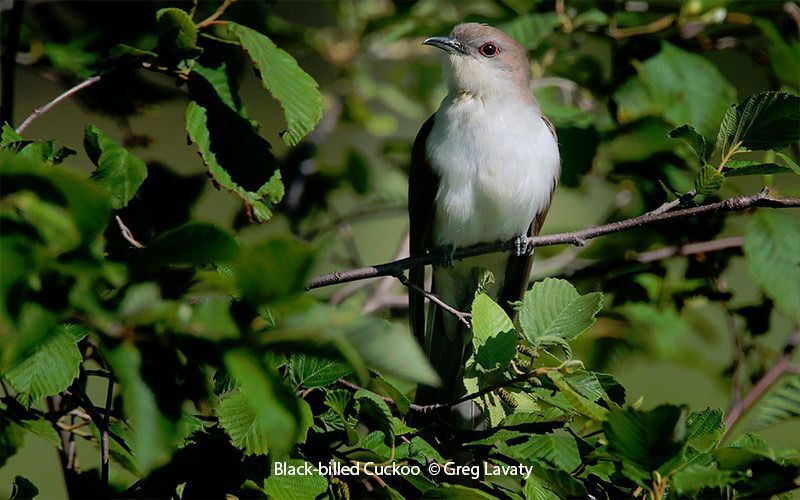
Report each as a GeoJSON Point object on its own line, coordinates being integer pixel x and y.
{"type": "Point", "coordinates": [614, 76]}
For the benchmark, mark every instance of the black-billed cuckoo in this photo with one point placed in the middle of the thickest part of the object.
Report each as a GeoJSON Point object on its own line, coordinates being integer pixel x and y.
{"type": "Point", "coordinates": [484, 168]}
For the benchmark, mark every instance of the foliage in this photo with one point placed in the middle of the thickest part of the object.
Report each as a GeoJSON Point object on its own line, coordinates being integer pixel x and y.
{"type": "Point", "coordinates": [218, 368]}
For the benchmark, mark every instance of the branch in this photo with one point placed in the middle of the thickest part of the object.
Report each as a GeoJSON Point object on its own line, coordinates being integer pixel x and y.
{"type": "Point", "coordinates": [462, 316]}
{"type": "Point", "coordinates": [212, 19]}
{"type": "Point", "coordinates": [782, 366]}
{"type": "Point", "coordinates": [737, 204]}
{"type": "Point", "coordinates": [104, 462]}
{"type": "Point", "coordinates": [50, 105]}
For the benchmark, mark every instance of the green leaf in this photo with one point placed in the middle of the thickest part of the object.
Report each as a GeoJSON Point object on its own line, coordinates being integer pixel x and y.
{"type": "Point", "coordinates": [42, 428]}
{"type": "Point", "coordinates": [553, 308]}
{"type": "Point", "coordinates": [23, 489]}
{"type": "Point", "coordinates": [701, 105]}
{"type": "Point", "coordinates": [536, 489]}
{"type": "Point", "coordinates": [177, 37]}
{"type": "Point", "coordinates": [49, 369]}
{"type": "Point", "coordinates": [770, 245]}
{"type": "Point", "coordinates": [118, 171]}
{"type": "Point", "coordinates": [216, 150]}
{"type": "Point", "coordinates": [87, 201]}
{"type": "Point", "coordinates": [194, 243]}
{"type": "Point", "coordinates": [223, 80]}
{"type": "Point", "coordinates": [9, 136]}
{"type": "Point", "coordinates": [694, 478]}
{"type": "Point", "coordinates": [265, 416]}
{"type": "Point", "coordinates": [790, 163]}
{"type": "Point", "coordinates": [313, 371]}
{"type": "Point", "coordinates": [530, 30]}
{"type": "Point", "coordinates": [556, 450]}
{"type": "Point", "coordinates": [274, 270]}
{"type": "Point", "coordinates": [293, 88]}
{"type": "Point", "coordinates": [767, 120]}
{"type": "Point", "coordinates": [364, 341]}
{"type": "Point", "coordinates": [494, 337]}
{"type": "Point", "coordinates": [780, 404]}
{"type": "Point", "coordinates": [752, 167]}
{"type": "Point", "coordinates": [646, 440]}
{"type": "Point", "coordinates": [126, 55]}
{"type": "Point", "coordinates": [581, 404]}
{"type": "Point", "coordinates": [693, 138]}
{"type": "Point", "coordinates": [54, 223]}
{"type": "Point", "coordinates": [153, 436]}
{"type": "Point", "coordinates": [12, 437]}
{"type": "Point", "coordinates": [708, 181]}
{"type": "Point", "coordinates": [298, 480]}
{"type": "Point", "coordinates": [784, 52]}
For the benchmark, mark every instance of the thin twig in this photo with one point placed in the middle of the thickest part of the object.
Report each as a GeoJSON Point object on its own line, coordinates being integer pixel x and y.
{"type": "Point", "coordinates": [462, 316]}
{"type": "Point", "coordinates": [127, 234]}
{"type": "Point", "coordinates": [782, 366]}
{"type": "Point", "coordinates": [104, 463]}
{"type": "Point", "coordinates": [50, 105]}
{"type": "Point", "coordinates": [737, 204]}
{"type": "Point", "coordinates": [213, 17]}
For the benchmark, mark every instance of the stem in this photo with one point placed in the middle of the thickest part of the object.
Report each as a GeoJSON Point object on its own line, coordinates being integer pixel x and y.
{"type": "Point", "coordinates": [213, 17]}
{"type": "Point", "coordinates": [50, 105]}
{"type": "Point", "coordinates": [782, 366]}
{"type": "Point", "coordinates": [737, 204]}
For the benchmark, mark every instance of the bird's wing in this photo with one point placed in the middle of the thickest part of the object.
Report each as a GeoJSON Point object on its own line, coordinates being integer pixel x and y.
{"type": "Point", "coordinates": [422, 187]}
{"type": "Point", "coordinates": [518, 269]}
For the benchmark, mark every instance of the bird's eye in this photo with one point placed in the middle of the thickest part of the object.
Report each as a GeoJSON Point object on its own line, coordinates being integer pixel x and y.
{"type": "Point", "coordinates": [489, 50]}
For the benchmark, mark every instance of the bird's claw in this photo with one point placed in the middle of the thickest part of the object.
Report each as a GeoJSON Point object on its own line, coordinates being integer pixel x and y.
{"type": "Point", "coordinates": [448, 256]}
{"type": "Point", "coordinates": [522, 246]}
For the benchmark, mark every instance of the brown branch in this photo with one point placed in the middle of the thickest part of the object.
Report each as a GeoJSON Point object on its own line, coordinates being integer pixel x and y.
{"type": "Point", "coordinates": [782, 366]}
{"type": "Point", "coordinates": [50, 105]}
{"type": "Point", "coordinates": [737, 204]}
{"type": "Point", "coordinates": [212, 19]}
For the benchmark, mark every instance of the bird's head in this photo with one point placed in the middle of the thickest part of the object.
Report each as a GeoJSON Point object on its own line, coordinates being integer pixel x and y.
{"type": "Point", "coordinates": [483, 61]}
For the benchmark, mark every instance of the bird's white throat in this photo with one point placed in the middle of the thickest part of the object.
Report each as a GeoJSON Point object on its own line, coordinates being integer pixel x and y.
{"type": "Point", "coordinates": [497, 162]}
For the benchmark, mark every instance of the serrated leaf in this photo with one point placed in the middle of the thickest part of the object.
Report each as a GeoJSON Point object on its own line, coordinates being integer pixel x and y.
{"type": "Point", "coordinates": [694, 478]}
{"type": "Point", "coordinates": [377, 408]}
{"type": "Point", "coordinates": [265, 416]}
{"type": "Point", "coordinates": [297, 93]}
{"type": "Point", "coordinates": [221, 78]}
{"type": "Point", "coordinates": [790, 163]}
{"type": "Point", "coordinates": [313, 371]}
{"type": "Point", "coordinates": [304, 483]}
{"type": "Point", "coordinates": [646, 440]}
{"type": "Point", "coordinates": [556, 450]}
{"type": "Point", "coordinates": [194, 243]}
{"type": "Point", "coordinates": [780, 404]}
{"type": "Point", "coordinates": [49, 369]}
{"type": "Point", "coordinates": [536, 489]}
{"type": "Point", "coordinates": [770, 245]}
{"type": "Point", "coordinates": [693, 138]}
{"type": "Point", "coordinates": [258, 199]}
{"type": "Point", "coordinates": [753, 167]}
{"type": "Point", "coordinates": [494, 337]}
{"type": "Point", "coordinates": [554, 308]}
{"type": "Point", "coordinates": [119, 171]}
{"type": "Point", "coordinates": [767, 120]}
{"type": "Point", "coordinates": [154, 436]}
{"type": "Point", "coordinates": [708, 181]}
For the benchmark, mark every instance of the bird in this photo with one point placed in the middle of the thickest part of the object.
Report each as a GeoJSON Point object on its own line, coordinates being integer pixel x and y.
{"type": "Point", "coordinates": [484, 168]}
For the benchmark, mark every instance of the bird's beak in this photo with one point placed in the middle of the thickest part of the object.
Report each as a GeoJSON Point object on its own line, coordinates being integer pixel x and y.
{"type": "Point", "coordinates": [446, 43]}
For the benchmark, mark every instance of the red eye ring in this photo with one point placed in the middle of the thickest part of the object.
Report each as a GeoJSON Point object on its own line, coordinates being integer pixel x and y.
{"type": "Point", "coordinates": [489, 49]}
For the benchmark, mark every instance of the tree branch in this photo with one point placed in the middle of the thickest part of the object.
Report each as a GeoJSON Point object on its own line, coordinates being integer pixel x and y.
{"type": "Point", "coordinates": [50, 105]}
{"type": "Point", "coordinates": [782, 366]}
{"type": "Point", "coordinates": [737, 204]}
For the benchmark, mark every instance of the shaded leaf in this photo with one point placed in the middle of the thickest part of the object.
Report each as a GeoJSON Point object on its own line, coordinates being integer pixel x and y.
{"type": "Point", "coordinates": [177, 37]}
{"type": "Point", "coordinates": [301, 482]}
{"type": "Point", "coordinates": [752, 167]}
{"type": "Point", "coordinates": [530, 30]}
{"type": "Point", "coordinates": [193, 243]}
{"type": "Point", "coordinates": [693, 138]}
{"type": "Point", "coordinates": [767, 120]}
{"type": "Point", "coordinates": [313, 371]}
{"type": "Point", "coordinates": [494, 337]}
{"type": "Point", "coordinates": [556, 450]}
{"type": "Point", "coordinates": [780, 404]}
{"type": "Point", "coordinates": [23, 489]}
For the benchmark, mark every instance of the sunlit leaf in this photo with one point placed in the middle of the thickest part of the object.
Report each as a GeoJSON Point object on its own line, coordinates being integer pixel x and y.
{"type": "Point", "coordinates": [118, 170]}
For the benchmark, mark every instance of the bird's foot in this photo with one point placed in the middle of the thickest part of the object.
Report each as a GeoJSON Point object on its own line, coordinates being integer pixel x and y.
{"type": "Point", "coordinates": [448, 256]}
{"type": "Point", "coordinates": [522, 246]}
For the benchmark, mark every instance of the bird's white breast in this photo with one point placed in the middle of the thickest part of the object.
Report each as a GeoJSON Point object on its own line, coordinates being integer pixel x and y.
{"type": "Point", "coordinates": [497, 163]}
